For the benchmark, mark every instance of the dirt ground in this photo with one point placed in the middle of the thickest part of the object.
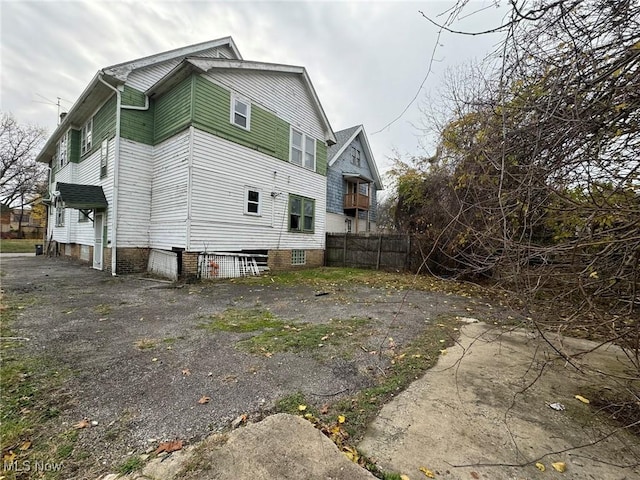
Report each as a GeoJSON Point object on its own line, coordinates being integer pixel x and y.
{"type": "Point", "coordinates": [140, 362]}
{"type": "Point", "coordinates": [94, 324]}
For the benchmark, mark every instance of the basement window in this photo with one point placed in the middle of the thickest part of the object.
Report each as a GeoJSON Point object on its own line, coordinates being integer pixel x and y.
{"type": "Point", "coordinates": [298, 257]}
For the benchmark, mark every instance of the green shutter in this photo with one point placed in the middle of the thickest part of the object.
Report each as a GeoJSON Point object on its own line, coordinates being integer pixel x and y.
{"type": "Point", "coordinates": [74, 146]}
{"type": "Point", "coordinates": [321, 157]}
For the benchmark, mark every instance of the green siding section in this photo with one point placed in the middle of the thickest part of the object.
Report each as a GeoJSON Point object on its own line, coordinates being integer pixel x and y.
{"type": "Point", "coordinates": [74, 146]}
{"type": "Point", "coordinates": [136, 125]}
{"type": "Point", "coordinates": [321, 157]}
{"type": "Point", "coordinates": [104, 123]}
{"type": "Point", "coordinates": [131, 96]}
{"type": "Point", "coordinates": [211, 108]}
{"type": "Point", "coordinates": [172, 111]}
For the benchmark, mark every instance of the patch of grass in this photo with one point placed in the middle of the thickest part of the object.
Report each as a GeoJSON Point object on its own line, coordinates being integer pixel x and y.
{"type": "Point", "coordinates": [291, 403]}
{"type": "Point", "coordinates": [408, 364]}
{"type": "Point", "coordinates": [102, 309]}
{"type": "Point", "coordinates": [335, 278]}
{"type": "Point", "coordinates": [130, 465]}
{"type": "Point", "coordinates": [303, 336]}
{"type": "Point", "coordinates": [242, 320]}
{"type": "Point", "coordinates": [19, 245]}
{"type": "Point", "coordinates": [146, 343]}
{"type": "Point", "coordinates": [30, 403]}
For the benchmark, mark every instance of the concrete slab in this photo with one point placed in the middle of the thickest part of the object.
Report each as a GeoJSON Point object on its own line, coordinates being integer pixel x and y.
{"type": "Point", "coordinates": [485, 409]}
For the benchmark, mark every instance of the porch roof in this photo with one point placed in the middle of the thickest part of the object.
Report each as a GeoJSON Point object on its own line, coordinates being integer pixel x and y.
{"type": "Point", "coordinates": [82, 197]}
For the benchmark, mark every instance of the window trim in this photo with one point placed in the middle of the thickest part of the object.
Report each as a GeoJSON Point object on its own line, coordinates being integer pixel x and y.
{"type": "Point", "coordinates": [104, 157]}
{"type": "Point", "coordinates": [62, 154]}
{"type": "Point", "coordinates": [248, 189]}
{"type": "Point", "coordinates": [86, 137]}
{"type": "Point", "coordinates": [303, 150]}
{"type": "Point", "coordinates": [232, 113]}
{"type": "Point", "coordinates": [303, 201]}
{"type": "Point", "coordinates": [60, 214]}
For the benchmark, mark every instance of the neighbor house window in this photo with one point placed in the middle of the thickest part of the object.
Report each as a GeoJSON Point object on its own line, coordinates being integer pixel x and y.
{"type": "Point", "coordinates": [303, 150]}
{"type": "Point", "coordinates": [240, 112]}
{"type": "Point", "coordinates": [298, 257]}
{"type": "Point", "coordinates": [83, 216]}
{"type": "Point", "coordinates": [252, 201]}
{"type": "Point", "coordinates": [301, 214]}
{"type": "Point", "coordinates": [86, 134]}
{"type": "Point", "coordinates": [61, 151]}
{"type": "Point", "coordinates": [104, 154]}
{"type": "Point", "coordinates": [355, 156]}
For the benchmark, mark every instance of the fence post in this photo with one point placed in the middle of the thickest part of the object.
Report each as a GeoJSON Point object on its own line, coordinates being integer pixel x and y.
{"type": "Point", "coordinates": [379, 251]}
{"type": "Point", "coordinates": [344, 251]}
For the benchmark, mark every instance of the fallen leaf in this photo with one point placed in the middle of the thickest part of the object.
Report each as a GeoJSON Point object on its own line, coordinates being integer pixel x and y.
{"type": "Point", "coordinates": [404, 477]}
{"type": "Point", "coordinates": [559, 466]}
{"type": "Point", "coordinates": [25, 445]}
{"type": "Point", "coordinates": [82, 424]}
{"type": "Point", "coordinates": [9, 457]}
{"type": "Point", "coordinates": [154, 359]}
{"type": "Point", "coordinates": [582, 399]}
{"type": "Point", "coordinates": [186, 372]}
{"type": "Point", "coordinates": [204, 400]}
{"type": "Point", "coordinates": [540, 467]}
{"type": "Point", "coordinates": [475, 475]}
{"type": "Point", "coordinates": [326, 337]}
{"type": "Point", "coordinates": [325, 409]}
{"type": "Point", "coordinates": [302, 408]}
{"type": "Point", "coordinates": [169, 447]}
{"type": "Point", "coordinates": [443, 351]}
{"type": "Point", "coordinates": [417, 355]}
{"type": "Point", "coordinates": [341, 419]}
{"type": "Point", "coordinates": [427, 473]}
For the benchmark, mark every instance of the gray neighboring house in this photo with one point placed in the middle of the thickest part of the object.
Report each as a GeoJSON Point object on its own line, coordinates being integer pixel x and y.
{"type": "Point", "coordinates": [352, 183]}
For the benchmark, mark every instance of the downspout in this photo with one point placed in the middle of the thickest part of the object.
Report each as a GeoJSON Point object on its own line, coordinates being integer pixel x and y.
{"type": "Point", "coordinates": [116, 167]}
{"type": "Point", "coordinates": [116, 170]}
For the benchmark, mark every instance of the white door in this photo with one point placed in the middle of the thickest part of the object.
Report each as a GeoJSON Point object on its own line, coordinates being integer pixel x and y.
{"type": "Point", "coordinates": [97, 242]}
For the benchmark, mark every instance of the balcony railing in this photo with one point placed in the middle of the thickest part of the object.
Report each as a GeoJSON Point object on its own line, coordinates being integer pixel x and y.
{"type": "Point", "coordinates": [356, 200]}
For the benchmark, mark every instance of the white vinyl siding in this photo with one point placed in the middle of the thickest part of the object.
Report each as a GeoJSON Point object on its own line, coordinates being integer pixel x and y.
{"type": "Point", "coordinates": [134, 201]}
{"type": "Point", "coordinates": [281, 93]}
{"type": "Point", "coordinates": [218, 192]}
{"type": "Point", "coordinates": [170, 193]}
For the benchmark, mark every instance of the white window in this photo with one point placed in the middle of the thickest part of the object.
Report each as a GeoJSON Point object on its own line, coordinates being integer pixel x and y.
{"type": "Point", "coordinates": [240, 112]}
{"type": "Point", "coordinates": [303, 150]}
{"type": "Point", "coordinates": [83, 216]}
{"type": "Point", "coordinates": [61, 151]}
{"type": "Point", "coordinates": [252, 198]}
{"type": "Point", "coordinates": [60, 215]}
{"type": "Point", "coordinates": [298, 257]}
{"type": "Point", "coordinates": [86, 135]}
{"type": "Point", "coordinates": [355, 156]}
{"type": "Point", "coordinates": [104, 154]}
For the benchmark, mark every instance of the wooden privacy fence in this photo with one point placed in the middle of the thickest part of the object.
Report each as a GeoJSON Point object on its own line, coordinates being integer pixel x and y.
{"type": "Point", "coordinates": [379, 251]}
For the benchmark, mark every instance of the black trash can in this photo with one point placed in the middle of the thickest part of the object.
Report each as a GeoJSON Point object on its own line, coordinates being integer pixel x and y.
{"type": "Point", "coordinates": [39, 249]}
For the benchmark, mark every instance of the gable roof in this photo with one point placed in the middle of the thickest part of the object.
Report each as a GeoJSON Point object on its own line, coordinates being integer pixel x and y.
{"type": "Point", "coordinates": [121, 70]}
{"type": "Point", "coordinates": [96, 92]}
{"type": "Point", "coordinates": [203, 65]}
{"type": "Point", "coordinates": [344, 139]}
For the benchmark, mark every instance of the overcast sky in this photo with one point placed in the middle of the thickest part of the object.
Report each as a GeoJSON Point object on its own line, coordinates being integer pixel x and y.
{"type": "Point", "coordinates": [366, 59]}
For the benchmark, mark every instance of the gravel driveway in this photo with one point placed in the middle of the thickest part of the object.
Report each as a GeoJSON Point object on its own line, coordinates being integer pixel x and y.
{"type": "Point", "coordinates": [140, 361]}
